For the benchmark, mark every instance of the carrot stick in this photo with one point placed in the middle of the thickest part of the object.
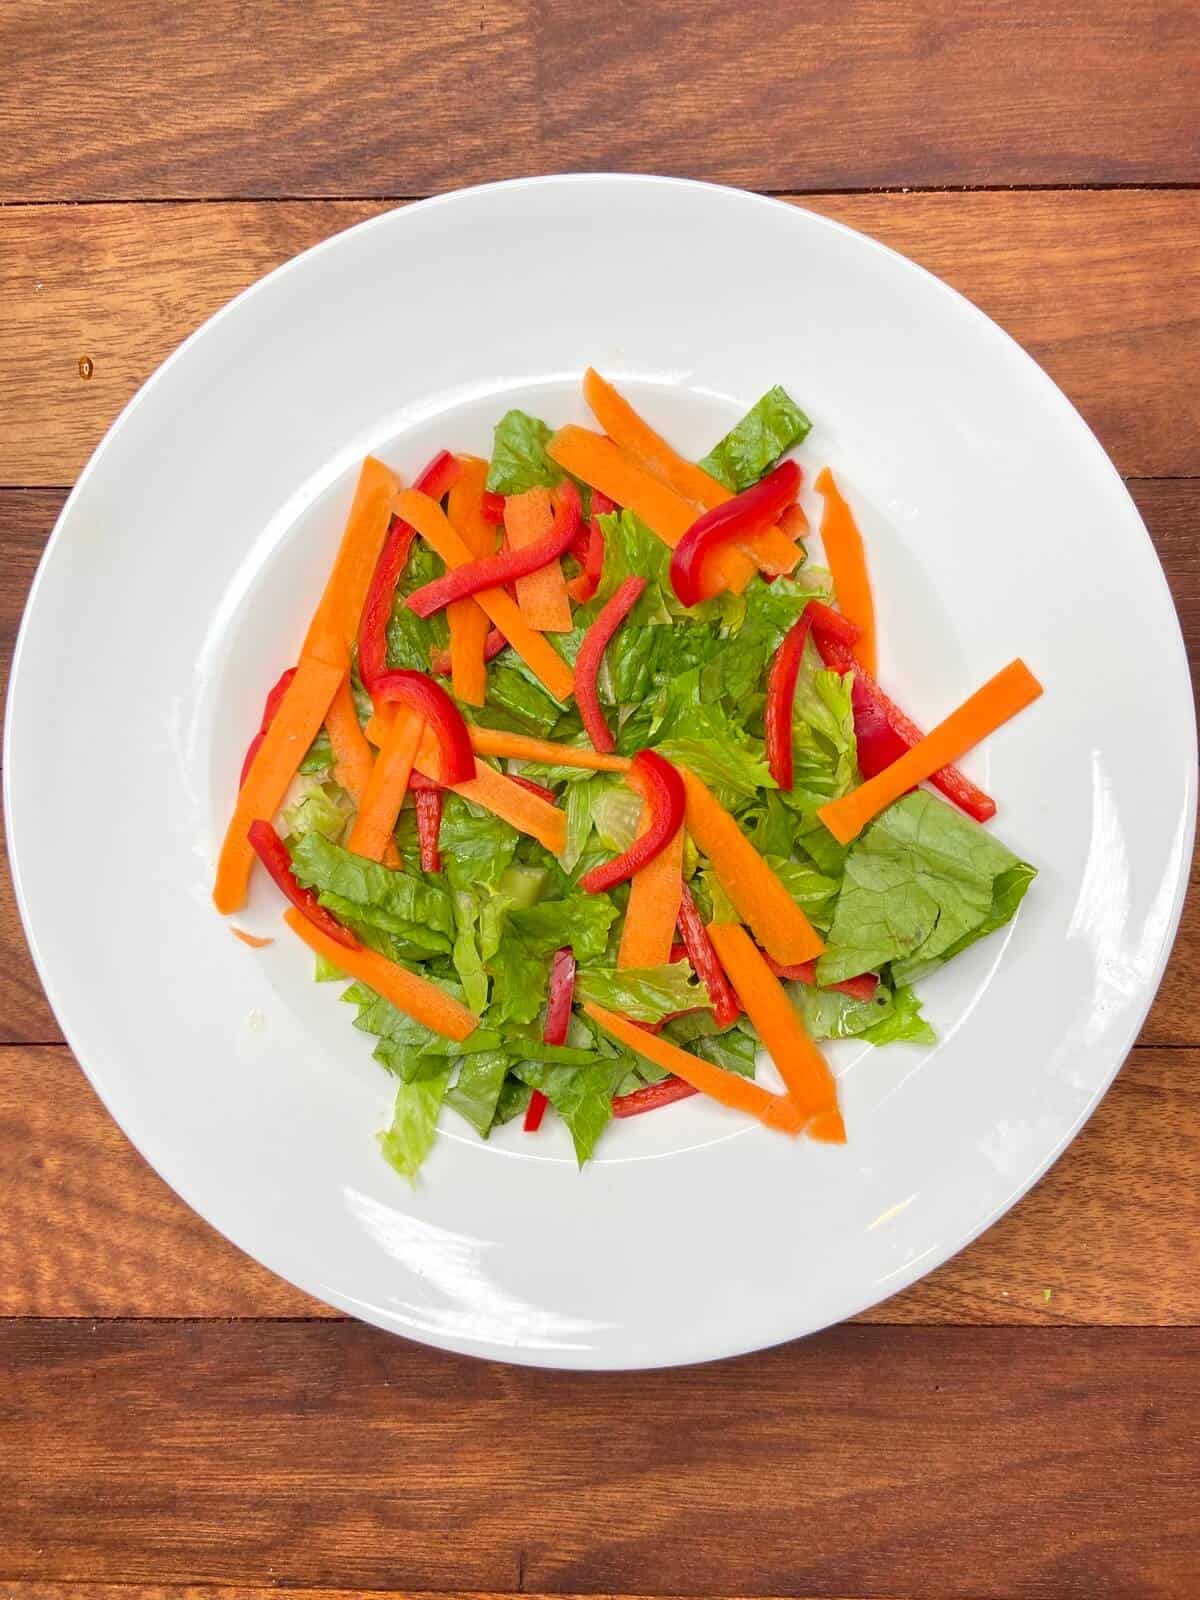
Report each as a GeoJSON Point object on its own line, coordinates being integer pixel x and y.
{"type": "Point", "coordinates": [504, 798]}
{"type": "Point", "coordinates": [296, 724]}
{"type": "Point", "coordinates": [335, 622]}
{"type": "Point", "coordinates": [600, 463]}
{"type": "Point", "coordinates": [1011, 690]}
{"type": "Point", "coordinates": [376, 819]}
{"type": "Point", "coordinates": [801, 1065]}
{"type": "Point", "coordinates": [847, 562]}
{"type": "Point", "coordinates": [468, 622]}
{"type": "Point", "coordinates": [427, 517]}
{"type": "Point", "coordinates": [541, 595]}
{"type": "Point", "coordinates": [773, 549]}
{"type": "Point", "coordinates": [653, 909]}
{"type": "Point", "coordinates": [416, 997]}
{"type": "Point", "coordinates": [773, 1110]}
{"type": "Point", "coordinates": [520, 747]}
{"type": "Point", "coordinates": [252, 939]}
{"type": "Point", "coordinates": [756, 891]}
{"type": "Point", "coordinates": [354, 757]}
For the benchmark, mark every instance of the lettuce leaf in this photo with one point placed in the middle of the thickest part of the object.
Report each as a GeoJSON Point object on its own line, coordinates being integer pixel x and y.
{"type": "Point", "coordinates": [468, 962]}
{"type": "Point", "coordinates": [412, 639]}
{"type": "Point", "coordinates": [477, 847]}
{"type": "Point", "coordinates": [580, 920]}
{"type": "Point", "coordinates": [773, 426]}
{"type": "Point", "coordinates": [644, 994]}
{"type": "Point", "coordinates": [415, 910]}
{"type": "Point", "coordinates": [318, 808]}
{"type": "Point", "coordinates": [904, 1022]}
{"type": "Point", "coordinates": [477, 1091]}
{"type": "Point", "coordinates": [921, 884]}
{"type": "Point", "coordinates": [582, 1096]}
{"type": "Point", "coordinates": [519, 460]}
{"type": "Point", "coordinates": [414, 1123]}
{"type": "Point", "coordinates": [516, 704]}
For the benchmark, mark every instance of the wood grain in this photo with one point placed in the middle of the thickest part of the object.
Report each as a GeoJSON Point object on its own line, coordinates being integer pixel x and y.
{"type": "Point", "coordinates": [891, 1460]}
{"type": "Point", "coordinates": [1108, 1237]}
{"type": "Point", "coordinates": [1094, 284]}
{"type": "Point", "coordinates": [154, 100]}
{"type": "Point", "coordinates": [74, 1590]}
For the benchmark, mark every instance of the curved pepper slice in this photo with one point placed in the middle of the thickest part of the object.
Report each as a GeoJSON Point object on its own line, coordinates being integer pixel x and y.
{"type": "Point", "coordinates": [270, 709]}
{"type": "Point", "coordinates": [430, 700]}
{"type": "Point", "coordinates": [558, 1020]}
{"type": "Point", "coordinates": [272, 852]}
{"type": "Point", "coordinates": [492, 572]}
{"type": "Point", "coordinates": [663, 790]}
{"type": "Point", "coordinates": [726, 1008]}
{"type": "Point", "coordinates": [830, 624]}
{"type": "Point", "coordinates": [591, 652]}
{"type": "Point", "coordinates": [781, 698]}
{"type": "Point", "coordinates": [737, 520]}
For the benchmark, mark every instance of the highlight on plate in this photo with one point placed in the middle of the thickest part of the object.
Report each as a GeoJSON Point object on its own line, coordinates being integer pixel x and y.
{"type": "Point", "coordinates": [584, 779]}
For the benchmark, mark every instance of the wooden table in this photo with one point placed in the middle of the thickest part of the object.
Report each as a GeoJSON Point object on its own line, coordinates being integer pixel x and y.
{"type": "Point", "coordinates": [1026, 1421]}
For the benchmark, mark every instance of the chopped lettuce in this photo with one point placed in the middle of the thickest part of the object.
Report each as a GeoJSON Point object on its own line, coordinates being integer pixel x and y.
{"type": "Point", "coordinates": [516, 703]}
{"type": "Point", "coordinates": [415, 910]}
{"type": "Point", "coordinates": [412, 639]}
{"type": "Point", "coordinates": [477, 1091]}
{"type": "Point", "coordinates": [580, 920]}
{"type": "Point", "coordinates": [904, 1022]}
{"type": "Point", "coordinates": [414, 1123]}
{"type": "Point", "coordinates": [519, 460]}
{"type": "Point", "coordinates": [318, 807]}
{"type": "Point", "coordinates": [645, 994]}
{"type": "Point", "coordinates": [582, 1096]}
{"type": "Point", "coordinates": [772, 426]}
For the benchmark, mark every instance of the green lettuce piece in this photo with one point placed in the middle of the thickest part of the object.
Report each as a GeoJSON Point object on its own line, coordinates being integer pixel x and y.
{"type": "Point", "coordinates": [580, 920]}
{"type": "Point", "coordinates": [616, 811]}
{"type": "Point", "coordinates": [772, 426]}
{"type": "Point", "coordinates": [519, 460]}
{"type": "Point", "coordinates": [812, 891]}
{"type": "Point", "coordinates": [468, 962]}
{"type": "Point", "coordinates": [921, 884]}
{"type": "Point", "coordinates": [412, 639]}
{"type": "Point", "coordinates": [829, 1014]}
{"type": "Point", "coordinates": [320, 808]}
{"type": "Point", "coordinates": [416, 910]}
{"type": "Point", "coordinates": [578, 804]}
{"type": "Point", "coordinates": [517, 704]}
{"type": "Point", "coordinates": [733, 1048]}
{"type": "Point", "coordinates": [414, 1124]}
{"type": "Point", "coordinates": [476, 847]}
{"type": "Point", "coordinates": [477, 1090]}
{"type": "Point", "coordinates": [582, 1096]}
{"type": "Point", "coordinates": [517, 887]}
{"type": "Point", "coordinates": [644, 994]}
{"type": "Point", "coordinates": [513, 1101]}
{"type": "Point", "coordinates": [520, 977]}
{"type": "Point", "coordinates": [904, 1022]}
{"type": "Point", "coordinates": [711, 742]}
{"type": "Point", "coordinates": [319, 757]}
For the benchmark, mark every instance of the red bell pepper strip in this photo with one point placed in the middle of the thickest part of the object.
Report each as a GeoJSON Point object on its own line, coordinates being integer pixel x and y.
{"type": "Point", "coordinates": [955, 785]}
{"type": "Point", "coordinates": [666, 797]}
{"type": "Point", "coordinates": [732, 522]}
{"type": "Point", "coordinates": [591, 652]}
{"type": "Point", "coordinates": [422, 695]}
{"type": "Point", "coordinates": [725, 1004]}
{"type": "Point", "coordinates": [584, 585]}
{"type": "Point", "coordinates": [538, 789]}
{"type": "Point", "coordinates": [492, 572]}
{"type": "Point", "coordinates": [781, 699]}
{"type": "Point", "coordinates": [860, 988]}
{"type": "Point", "coordinates": [554, 1029]}
{"type": "Point", "coordinates": [273, 702]}
{"type": "Point", "coordinates": [439, 660]}
{"type": "Point", "coordinates": [830, 624]}
{"type": "Point", "coordinates": [436, 480]}
{"type": "Point", "coordinates": [272, 852]}
{"type": "Point", "coordinates": [651, 1097]}
{"type": "Point", "coordinates": [492, 508]}
{"type": "Point", "coordinates": [428, 803]}
{"type": "Point", "coordinates": [878, 742]}
{"type": "Point", "coordinates": [419, 780]}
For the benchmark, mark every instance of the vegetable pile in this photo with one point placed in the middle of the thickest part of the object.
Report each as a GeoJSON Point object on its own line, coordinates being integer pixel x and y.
{"type": "Point", "coordinates": [583, 777]}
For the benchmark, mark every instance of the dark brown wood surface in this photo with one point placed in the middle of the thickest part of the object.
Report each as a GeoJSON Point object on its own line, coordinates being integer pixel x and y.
{"type": "Point", "coordinates": [175, 1421]}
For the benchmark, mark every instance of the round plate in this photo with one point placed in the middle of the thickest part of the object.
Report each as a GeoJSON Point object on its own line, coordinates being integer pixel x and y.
{"type": "Point", "coordinates": [180, 579]}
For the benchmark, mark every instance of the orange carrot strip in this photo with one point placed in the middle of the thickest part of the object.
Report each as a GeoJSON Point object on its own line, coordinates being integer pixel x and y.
{"type": "Point", "coordinates": [352, 754]}
{"type": "Point", "coordinates": [416, 997]}
{"type": "Point", "coordinates": [296, 725]}
{"type": "Point", "coordinates": [801, 1065]}
{"type": "Point", "coordinates": [600, 463]}
{"type": "Point", "coordinates": [756, 891]}
{"type": "Point", "coordinates": [427, 517]}
{"type": "Point", "coordinates": [468, 622]}
{"type": "Point", "coordinates": [774, 1110]}
{"type": "Point", "coordinates": [520, 747]}
{"type": "Point", "coordinates": [335, 622]}
{"type": "Point", "coordinates": [504, 798]}
{"type": "Point", "coordinates": [654, 895]}
{"type": "Point", "coordinates": [772, 549]}
{"type": "Point", "coordinates": [1011, 690]}
{"type": "Point", "coordinates": [376, 819]}
{"type": "Point", "coordinates": [847, 563]}
{"type": "Point", "coordinates": [252, 939]}
{"type": "Point", "coordinates": [542, 595]}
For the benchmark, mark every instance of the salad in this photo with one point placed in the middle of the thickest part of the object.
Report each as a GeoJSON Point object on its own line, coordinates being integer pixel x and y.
{"type": "Point", "coordinates": [583, 779]}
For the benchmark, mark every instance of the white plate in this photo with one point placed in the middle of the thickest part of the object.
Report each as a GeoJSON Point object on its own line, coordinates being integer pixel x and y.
{"type": "Point", "coordinates": [179, 581]}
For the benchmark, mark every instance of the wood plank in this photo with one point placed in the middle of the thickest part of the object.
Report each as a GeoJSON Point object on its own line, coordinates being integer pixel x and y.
{"type": "Point", "coordinates": [1097, 285]}
{"type": "Point", "coordinates": [866, 1460]}
{"type": "Point", "coordinates": [1110, 1232]}
{"type": "Point", "coordinates": [74, 1590]}
{"type": "Point", "coordinates": [156, 101]}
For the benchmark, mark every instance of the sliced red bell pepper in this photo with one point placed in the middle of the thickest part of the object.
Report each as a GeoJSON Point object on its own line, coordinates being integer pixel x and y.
{"type": "Point", "coordinates": [272, 852]}
{"type": "Point", "coordinates": [271, 706]}
{"type": "Point", "coordinates": [419, 780]}
{"type": "Point", "coordinates": [583, 586]}
{"type": "Point", "coordinates": [538, 789]}
{"type": "Point", "coordinates": [732, 522]}
{"type": "Point", "coordinates": [781, 699]}
{"type": "Point", "coordinates": [591, 652]}
{"type": "Point", "coordinates": [860, 988]}
{"type": "Point", "coordinates": [554, 1029]}
{"type": "Point", "coordinates": [955, 785]}
{"type": "Point", "coordinates": [436, 480]}
{"type": "Point", "coordinates": [428, 803]}
{"type": "Point", "coordinates": [666, 798]}
{"type": "Point", "coordinates": [830, 624]}
{"type": "Point", "coordinates": [492, 508]}
{"type": "Point", "coordinates": [492, 572]}
{"type": "Point", "coordinates": [439, 660]}
{"type": "Point", "coordinates": [415, 690]}
{"type": "Point", "coordinates": [705, 962]}
{"type": "Point", "coordinates": [878, 742]}
{"type": "Point", "coordinates": [651, 1097]}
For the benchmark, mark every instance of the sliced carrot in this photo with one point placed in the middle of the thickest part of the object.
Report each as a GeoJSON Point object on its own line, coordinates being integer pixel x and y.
{"type": "Point", "coordinates": [755, 890]}
{"type": "Point", "coordinates": [296, 725]}
{"type": "Point", "coordinates": [1011, 690]}
{"type": "Point", "coordinates": [351, 752]}
{"type": "Point", "coordinates": [469, 623]}
{"type": "Point", "coordinates": [604, 466]}
{"type": "Point", "coordinates": [376, 820]}
{"type": "Point", "coordinates": [847, 563]}
{"type": "Point", "coordinates": [740, 1094]}
{"type": "Point", "coordinates": [335, 622]}
{"type": "Point", "coordinates": [541, 595]}
{"type": "Point", "coordinates": [416, 997]}
{"type": "Point", "coordinates": [793, 524]}
{"type": "Point", "coordinates": [520, 747]}
{"type": "Point", "coordinates": [801, 1065]}
{"type": "Point", "coordinates": [653, 910]}
{"type": "Point", "coordinates": [427, 517]}
{"type": "Point", "coordinates": [774, 550]}
{"type": "Point", "coordinates": [252, 939]}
